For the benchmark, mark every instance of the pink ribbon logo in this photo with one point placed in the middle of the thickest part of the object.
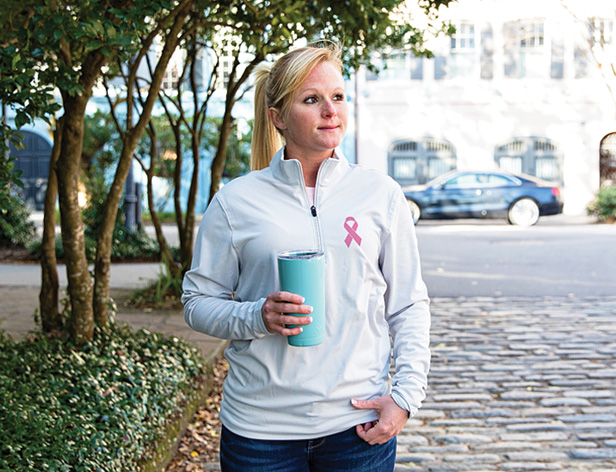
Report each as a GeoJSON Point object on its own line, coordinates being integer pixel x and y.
{"type": "Point", "coordinates": [351, 229]}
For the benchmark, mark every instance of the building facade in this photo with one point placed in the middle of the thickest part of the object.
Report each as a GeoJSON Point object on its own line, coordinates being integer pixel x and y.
{"type": "Point", "coordinates": [522, 85]}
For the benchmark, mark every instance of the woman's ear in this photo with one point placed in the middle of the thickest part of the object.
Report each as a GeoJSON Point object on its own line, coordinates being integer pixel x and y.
{"type": "Point", "coordinates": [276, 118]}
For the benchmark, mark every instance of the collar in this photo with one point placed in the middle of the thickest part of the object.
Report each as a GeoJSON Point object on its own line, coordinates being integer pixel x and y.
{"type": "Point", "coordinates": [290, 170]}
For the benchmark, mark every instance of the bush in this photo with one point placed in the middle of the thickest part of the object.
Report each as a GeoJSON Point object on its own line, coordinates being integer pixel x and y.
{"type": "Point", "coordinates": [603, 207]}
{"type": "Point", "coordinates": [16, 229]}
{"type": "Point", "coordinates": [94, 408]}
{"type": "Point", "coordinates": [136, 244]}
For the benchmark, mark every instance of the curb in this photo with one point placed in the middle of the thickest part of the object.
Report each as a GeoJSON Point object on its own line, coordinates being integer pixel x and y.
{"type": "Point", "coordinates": [165, 449]}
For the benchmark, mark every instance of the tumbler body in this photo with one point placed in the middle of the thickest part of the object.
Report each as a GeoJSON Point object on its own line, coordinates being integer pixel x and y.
{"type": "Point", "coordinates": [302, 272]}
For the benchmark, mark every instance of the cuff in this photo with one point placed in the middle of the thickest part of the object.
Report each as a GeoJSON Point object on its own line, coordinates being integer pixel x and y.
{"type": "Point", "coordinates": [402, 403]}
{"type": "Point", "coordinates": [259, 324]}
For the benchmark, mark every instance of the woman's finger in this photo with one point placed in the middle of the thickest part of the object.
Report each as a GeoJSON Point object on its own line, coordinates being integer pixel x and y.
{"type": "Point", "coordinates": [288, 308]}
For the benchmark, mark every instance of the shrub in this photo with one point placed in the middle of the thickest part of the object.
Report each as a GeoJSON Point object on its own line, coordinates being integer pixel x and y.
{"type": "Point", "coordinates": [603, 207]}
{"type": "Point", "coordinates": [97, 407]}
{"type": "Point", "coordinates": [136, 244]}
{"type": "Point", "coordinates": [16, 229]}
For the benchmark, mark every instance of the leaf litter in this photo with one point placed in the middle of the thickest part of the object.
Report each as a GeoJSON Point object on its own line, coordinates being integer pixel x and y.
{"type": "Point", "coordinates": [200, 444]}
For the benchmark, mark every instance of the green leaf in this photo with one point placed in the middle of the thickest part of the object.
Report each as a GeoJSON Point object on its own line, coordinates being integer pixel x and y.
{"type": "Point", "coordinates": [21, 119]}
{"type": "Point", "coordinates": [98, 27]}
{"type": "Point", "coordinates": [92, 45]}
{"type": "Point", "coordinates": [15, 61]}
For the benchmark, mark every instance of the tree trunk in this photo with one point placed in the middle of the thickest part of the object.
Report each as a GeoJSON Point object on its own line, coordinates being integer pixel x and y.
{"type": "Point", "coordinates": [102, 264]}
{"type": "Point", "coordinates": [218, 164]}
{"type": "Point", "coordinates": [186, 243]}
{"type": "Point", "coordinates": [73, 241]}
{"type": "Point", "coordinates": [177, 181]}
{"type": "Point", "coordinates": [48, 297]}
{"type": "Point", "coordinates": [131, 139]}
{"type": "Point", "coordinates": [165, 251]}
{"type": "Point", "coordinates": [187, 236]}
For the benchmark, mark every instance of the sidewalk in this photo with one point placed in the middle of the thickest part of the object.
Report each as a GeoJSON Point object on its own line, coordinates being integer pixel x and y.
{"type": "Point", "coordinates": [20, 287]}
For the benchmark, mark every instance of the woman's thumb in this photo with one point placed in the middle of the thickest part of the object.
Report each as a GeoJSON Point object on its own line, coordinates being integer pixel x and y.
{"type": "Point", "coordinates": [362, 404]}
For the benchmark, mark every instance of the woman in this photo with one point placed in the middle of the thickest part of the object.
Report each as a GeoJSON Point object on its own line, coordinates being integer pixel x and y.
{"type": "Point", "coordinates": [330, 407]}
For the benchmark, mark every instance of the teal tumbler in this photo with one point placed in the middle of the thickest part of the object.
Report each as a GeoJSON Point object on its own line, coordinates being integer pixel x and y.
{"type": "Point", "coordinates": [302, 272]}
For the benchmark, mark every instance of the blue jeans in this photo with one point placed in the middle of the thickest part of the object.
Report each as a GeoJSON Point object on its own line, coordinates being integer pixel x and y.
{"type": "Point", "coordinates": [336, 453]}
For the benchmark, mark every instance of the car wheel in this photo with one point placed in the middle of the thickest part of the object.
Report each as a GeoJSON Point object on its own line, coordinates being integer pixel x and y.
{"type": "Point", "coordinates": [524, 212]}
{"type": "Point", "coordinates": [415, 210]}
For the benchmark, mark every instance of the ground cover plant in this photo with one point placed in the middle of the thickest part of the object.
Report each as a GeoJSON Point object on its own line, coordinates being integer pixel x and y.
{"type": "Point", "coordinates": [96, 407]}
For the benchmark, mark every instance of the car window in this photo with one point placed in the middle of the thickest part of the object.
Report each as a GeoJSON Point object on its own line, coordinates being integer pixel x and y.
{"type": "Point", "coordinates": [462, 181]}
{"type": "Point", "coordinates": [496, 180]}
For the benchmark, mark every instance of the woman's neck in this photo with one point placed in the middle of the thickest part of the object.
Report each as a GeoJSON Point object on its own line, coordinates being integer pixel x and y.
{"type": "Point", "coordinates": [310, 166]}
{"type": "Point", "coordinates": [311, 170]}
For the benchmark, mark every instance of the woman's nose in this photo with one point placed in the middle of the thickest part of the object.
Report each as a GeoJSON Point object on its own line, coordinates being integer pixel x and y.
{"type": "Point", "coordinates": [328, 109]}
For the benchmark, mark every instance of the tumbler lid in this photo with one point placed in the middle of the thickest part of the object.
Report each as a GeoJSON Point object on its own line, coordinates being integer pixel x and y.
{"type": "Point", "coordinates": [300, 254]}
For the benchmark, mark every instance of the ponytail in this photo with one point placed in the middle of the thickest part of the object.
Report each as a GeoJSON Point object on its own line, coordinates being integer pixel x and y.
{"type": "Point", "coordinates": [266, 140]}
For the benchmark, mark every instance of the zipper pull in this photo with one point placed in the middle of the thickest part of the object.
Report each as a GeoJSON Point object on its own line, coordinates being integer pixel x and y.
{"type": "Point", "coordinates": [313, 210]}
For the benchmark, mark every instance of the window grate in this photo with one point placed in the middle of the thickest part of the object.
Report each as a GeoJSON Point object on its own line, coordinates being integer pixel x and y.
{"type": "Point", "coordinates": [415, 162]}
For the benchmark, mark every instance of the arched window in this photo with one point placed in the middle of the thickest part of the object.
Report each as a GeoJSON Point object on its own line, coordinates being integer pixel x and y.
{"type": "Point", "coordinates": [533, 156]}
{"type": "Point", "coordinates": [415, 162]}
{"type": "Point", "coordinates": [607, 160]}
{"type": "Point", "coordinates": [33, 161]}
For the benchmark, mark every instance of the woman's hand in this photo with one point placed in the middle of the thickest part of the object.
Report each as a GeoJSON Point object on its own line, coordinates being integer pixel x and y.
{"type": "Point", "coordinates": [274, 309]}
{"type": "Point", "coordinates": [391, 420]}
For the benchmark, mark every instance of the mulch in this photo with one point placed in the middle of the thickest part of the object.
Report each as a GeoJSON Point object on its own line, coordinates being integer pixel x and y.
{"type": "Point", "coordinates": [201, 442]}
{"type": "Point", "coordinates": [16, 255]}
{"type": "Point", "coordinates": [21, 255]}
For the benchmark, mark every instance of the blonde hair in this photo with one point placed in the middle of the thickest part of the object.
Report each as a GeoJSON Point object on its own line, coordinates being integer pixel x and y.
{"type": "Point", "coordinates": [275, 87]}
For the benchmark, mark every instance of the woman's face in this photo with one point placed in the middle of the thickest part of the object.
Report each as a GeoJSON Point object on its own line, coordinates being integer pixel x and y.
{"type": "Point", "coordinates": [317, 118]}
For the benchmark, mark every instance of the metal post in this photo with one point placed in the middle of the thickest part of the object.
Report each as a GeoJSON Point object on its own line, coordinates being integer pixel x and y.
{"type": "Point", "coordinates": [130, 200]}
{"type": "Point", "coordinates": [138, 204]}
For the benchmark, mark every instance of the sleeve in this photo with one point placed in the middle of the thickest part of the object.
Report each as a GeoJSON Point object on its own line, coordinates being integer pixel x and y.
{"type": "Point", "coordinates": [407, 308]}
{"type": "Point", "coordinates": [209, 285]}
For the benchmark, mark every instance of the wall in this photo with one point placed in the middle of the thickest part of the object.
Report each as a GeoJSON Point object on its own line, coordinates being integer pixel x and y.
{"type": "Point", "coordinates": [476, 115]}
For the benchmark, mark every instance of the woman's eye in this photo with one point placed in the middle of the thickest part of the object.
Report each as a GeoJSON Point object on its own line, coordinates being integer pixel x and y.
{"type": "Point", "coordinates": [310, 100]}
{"type": "Point", "coordinates": [339, 97]}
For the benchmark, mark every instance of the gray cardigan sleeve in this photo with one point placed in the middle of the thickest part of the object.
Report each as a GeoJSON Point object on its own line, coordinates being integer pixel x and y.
{"type": "Point", "coordinates": [209, 285]}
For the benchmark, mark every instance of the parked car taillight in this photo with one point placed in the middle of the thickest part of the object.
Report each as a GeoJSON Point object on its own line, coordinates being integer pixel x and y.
{"type": "Point", "coordinates": [556, 191]}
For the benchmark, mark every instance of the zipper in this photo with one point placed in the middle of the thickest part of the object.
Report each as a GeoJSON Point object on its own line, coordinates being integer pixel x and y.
{"type": "Point", "coordinates": [317, 225]}
{"type": "Point", "coordinates": [313, 210]}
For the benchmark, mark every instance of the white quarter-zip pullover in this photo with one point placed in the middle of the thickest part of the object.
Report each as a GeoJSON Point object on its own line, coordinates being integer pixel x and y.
{"type": "Point", "coordinates": [374, 290]}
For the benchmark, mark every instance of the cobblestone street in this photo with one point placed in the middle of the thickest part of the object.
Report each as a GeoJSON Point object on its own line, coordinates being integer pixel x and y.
{"type": "Point", "coordinates": [517, 384]}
